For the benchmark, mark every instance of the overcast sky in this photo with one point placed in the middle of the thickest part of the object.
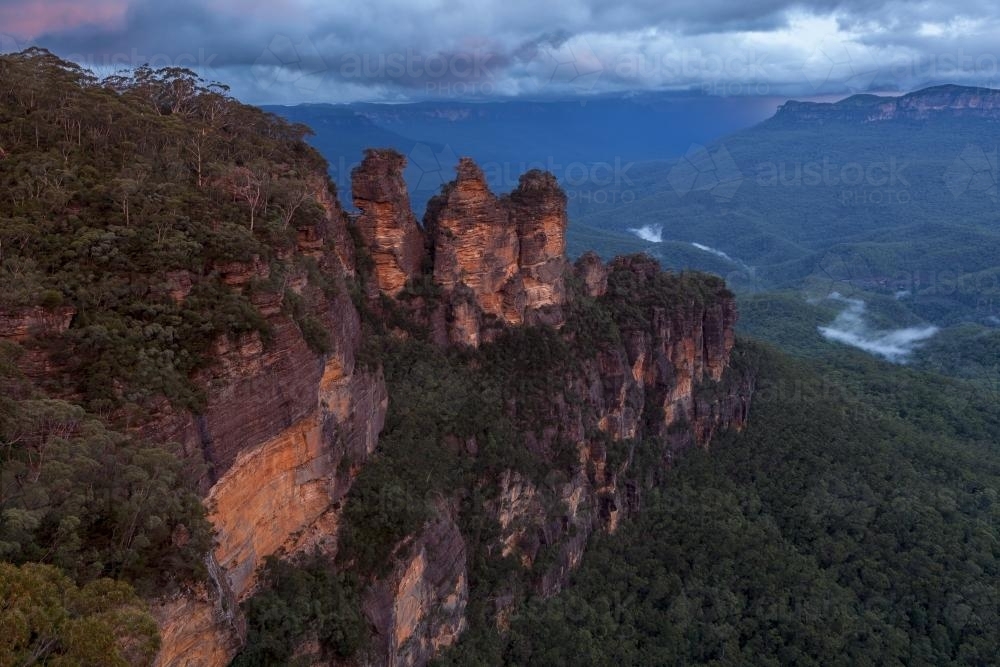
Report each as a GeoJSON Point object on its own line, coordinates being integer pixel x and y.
{"type": "Point", "coordinates": [287, 51]}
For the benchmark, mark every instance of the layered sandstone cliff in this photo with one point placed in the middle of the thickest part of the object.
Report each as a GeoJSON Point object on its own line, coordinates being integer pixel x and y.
{"type": "Point", "coordinates": [283, 468]}
{"type": "Point", "coordinates": [386, 223]}
{"type": "Point", "coordinates": [284, 432]}
{"type": "Point", "coordinates": [502, 258]}
{"type": "Point", "coordinates": [474, 244]}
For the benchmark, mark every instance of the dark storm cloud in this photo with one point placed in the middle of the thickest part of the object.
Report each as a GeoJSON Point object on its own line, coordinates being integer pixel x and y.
{"type": "Point", "coordinates": [299, 50]}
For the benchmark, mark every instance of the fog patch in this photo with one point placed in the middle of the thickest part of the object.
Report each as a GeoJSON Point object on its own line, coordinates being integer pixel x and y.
{"type": "Point", "coordinates": [718, 253]}
{"type": "Point", "coordinates": [850, 328]}
{"type": "Point", "coordinates": [713, 251]}
{"type": "Point", "coordinates": [651, 233]}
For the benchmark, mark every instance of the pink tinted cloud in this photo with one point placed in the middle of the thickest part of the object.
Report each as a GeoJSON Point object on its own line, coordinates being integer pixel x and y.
{"type": "Point", "coordinates": [31, 18]}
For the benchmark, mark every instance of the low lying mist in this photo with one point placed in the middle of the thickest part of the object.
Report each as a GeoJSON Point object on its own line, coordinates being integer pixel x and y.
{"type": "Point", "coordinates": [651, 233]}
{"type": "Point", "coordinates": [713, 251]}
{"type": "Point", "coordinates": [850, 328]}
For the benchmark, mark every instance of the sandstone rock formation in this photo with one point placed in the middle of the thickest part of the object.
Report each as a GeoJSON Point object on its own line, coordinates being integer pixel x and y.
{"type": "Point", "coordinates": [284, 432]}
{"type": "Point", "coordinates": [419, 608]}
{"type": "Point", "coordinates": [509, 252]}
{"type": "Point", "coordinates": [593, 273]}
{"type": "Point", "coordinates": [474, 244]}
{"type": "Point", "coordinates": [538, 210]}
{"type": "Point", "coordinates": [386, 223]}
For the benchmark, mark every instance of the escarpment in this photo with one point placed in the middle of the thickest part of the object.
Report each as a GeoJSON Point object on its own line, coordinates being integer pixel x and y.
{"type": "Point", "coordinates": [928, 104]}
{"type": "Point", "coordinates": [628, 365]}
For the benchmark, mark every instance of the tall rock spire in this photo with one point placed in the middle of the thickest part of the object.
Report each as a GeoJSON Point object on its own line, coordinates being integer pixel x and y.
{"type": "Point", "coordinates": [386, 223]}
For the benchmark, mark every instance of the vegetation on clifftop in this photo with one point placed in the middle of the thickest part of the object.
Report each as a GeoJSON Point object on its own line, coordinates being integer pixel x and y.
{"type": "Point", "coordinates": [143, 215]}
{"type": "Point", "coordinates": [123, 192]}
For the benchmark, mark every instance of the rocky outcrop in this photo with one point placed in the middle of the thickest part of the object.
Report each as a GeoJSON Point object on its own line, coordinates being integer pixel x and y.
{"type": "Point", "coordinates": [31, 323]}
{"type": "Point", "coordinates": [277, 497]}
{"type": "Point", "coordinates": [666, 385]}
{"type": "Point", "coordinates": [332, 231]}
{"type": "Point", "coordinates": [475, 245]}
{"type": "Point", "coordinates": [196, 629]}
{"type": "Point", "coordinates": [288, 483]}
{"type": "Point", "coordinates": [498, 260]}
{"type": "Point", "coordinates": [592, 272]}
{"type": "Point", "coordinates": [386, 223]}
{"type": "Point", "coordinates": [31, 327]}
{"type": "Point", "coordinates": [284, 432]}
{"type": "Point", "coordinates": [538, 210]}
{"type": "Point", "coordinates": [258, 390]}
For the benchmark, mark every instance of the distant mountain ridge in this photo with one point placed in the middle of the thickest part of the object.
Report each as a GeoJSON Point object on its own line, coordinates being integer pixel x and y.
{"type": "Point", "coordinates": [567, 137]}
{"type": "Point", "coordinates": [949, 100]}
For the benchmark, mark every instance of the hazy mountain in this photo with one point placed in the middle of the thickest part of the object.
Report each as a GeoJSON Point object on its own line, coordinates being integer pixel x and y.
{"type": "Point", "coordinates": [891, 200]}
{"type": "Point", "coordinates": [577, 140]}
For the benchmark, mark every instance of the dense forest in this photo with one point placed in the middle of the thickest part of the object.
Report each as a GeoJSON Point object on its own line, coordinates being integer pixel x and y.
{"type": "Point", "coordinates": [854, 522]}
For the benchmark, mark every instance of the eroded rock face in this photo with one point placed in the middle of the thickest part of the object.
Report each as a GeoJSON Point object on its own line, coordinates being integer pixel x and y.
{"type": "Point", "coordinates": [591, 270]}
{"type": "Point", "coordinates": [475, 244]}
{"type": "Point", "coordinates": [386, 223]}
{"type": "Point", "coordinates": [30, 327]}
{"type": "Point", "coordinates": [538, 210]}
{"type": "Point", "coordinates": [284, 431]}
{"type": "Point", "coordinates": [23, 324]}
{"type": "Point", "coordinates": [682, 347]}
{"type": "Point", "coordinates": [196, 630]}
{"type": "Point", "coordinates": [668, 384]}
{"type": "Point", "coordinates": [508, 254]}
{"type": "Point", "coordinates": [419, 609]}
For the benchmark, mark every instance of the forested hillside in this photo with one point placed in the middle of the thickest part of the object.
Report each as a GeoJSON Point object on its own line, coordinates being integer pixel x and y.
{"type": "Point", "coordinates": [854, 522]}
{"type": "Point", "coordinates": [123, 202]}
